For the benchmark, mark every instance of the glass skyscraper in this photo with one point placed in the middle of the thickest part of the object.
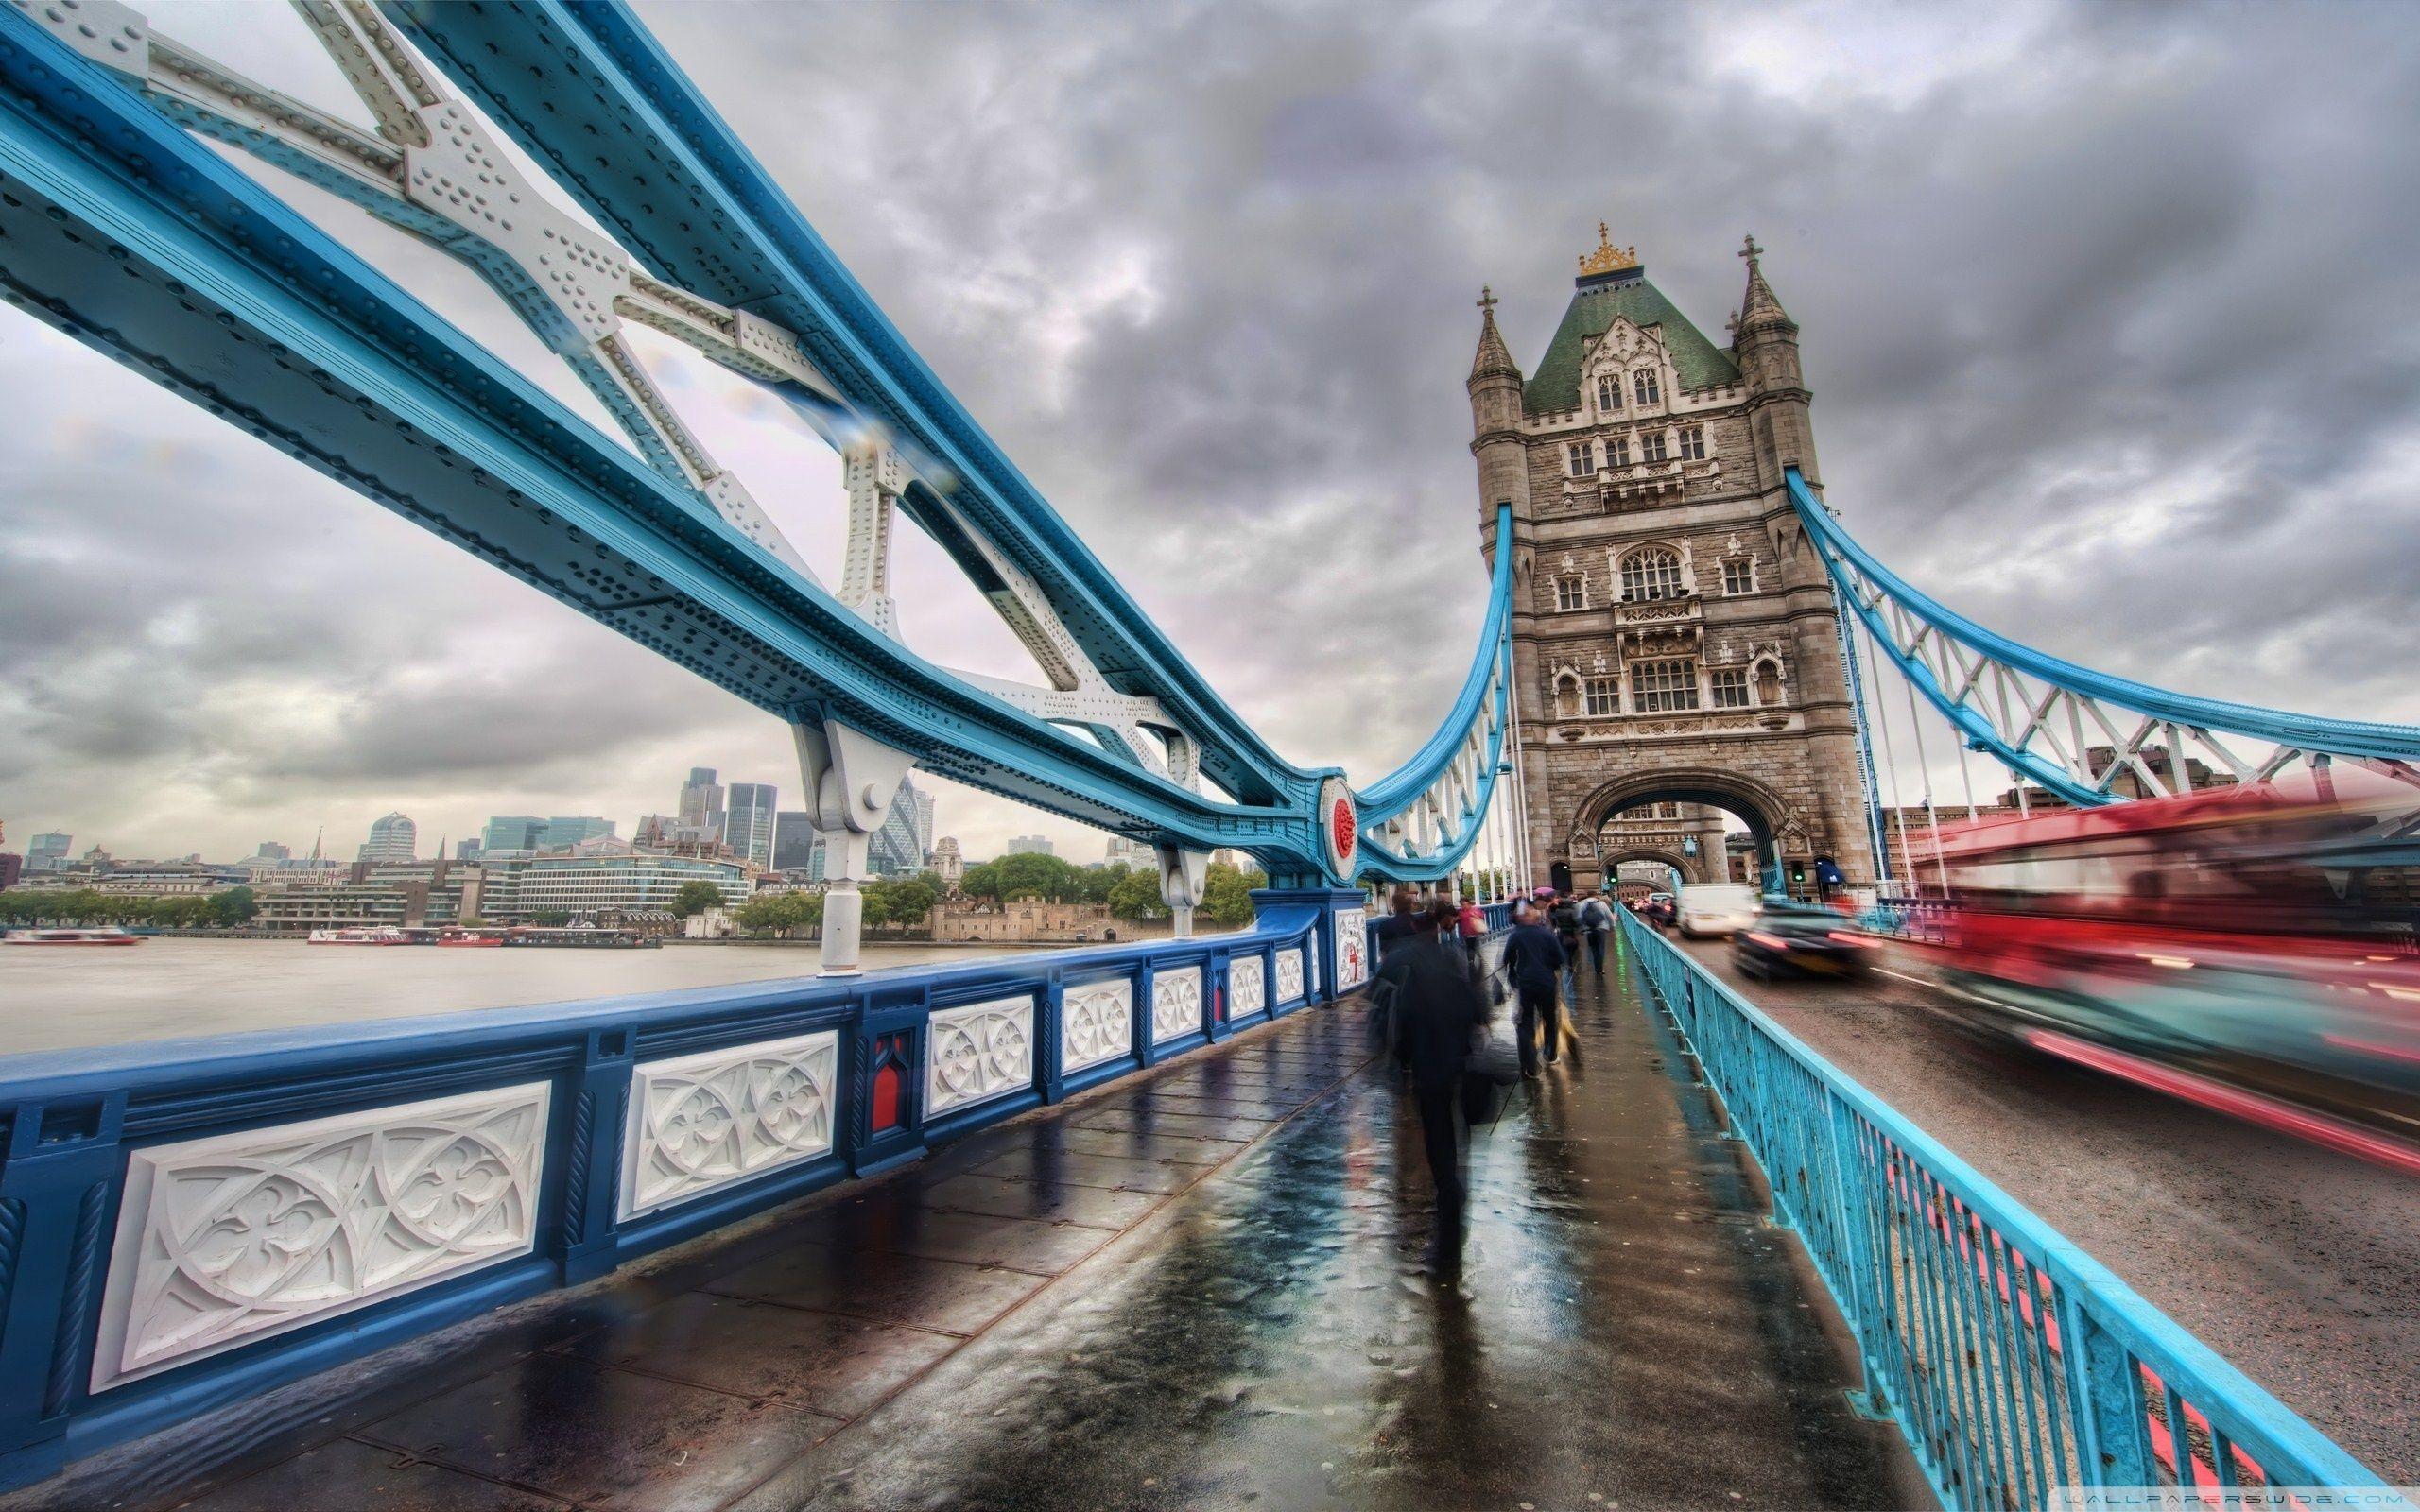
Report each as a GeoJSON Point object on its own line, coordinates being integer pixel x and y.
{"type": "Point", "coordinates": [749, 829]}
{"type": "Point", "coordinates": [794, 838]}
{"type": "Point", "coordinates": [896, 850]}
{"type": "Point", "coordinates": [512, 832]}
{"type": "Point", "coordinates": [564, 830]}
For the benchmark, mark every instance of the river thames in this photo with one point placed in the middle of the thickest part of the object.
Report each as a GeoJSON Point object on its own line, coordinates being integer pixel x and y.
{"type": "Point", "coordinates": [61, 999]}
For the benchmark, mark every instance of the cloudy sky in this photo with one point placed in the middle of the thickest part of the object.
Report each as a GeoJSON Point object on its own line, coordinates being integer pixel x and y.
{"type": "Point", "coordinates": [2107, 310]}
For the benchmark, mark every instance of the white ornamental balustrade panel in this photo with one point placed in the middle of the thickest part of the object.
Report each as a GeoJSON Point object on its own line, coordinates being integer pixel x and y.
{"type": "Point", "coordinates": [1095, 1023]}
{"type": "Point", "coordinates": [233, 1238]}
{"type": "Point", "coordinates": [1176, 1004]}
{"type": "Point", "coordinates": [701, 1121]}
{"type": "Point", "coordinates": [978, 1052]}
{"type": "Point", "coordinates": [1289, 975]}
{"type": "Point", "coordinates": [1311, 957]}
{"type": "Point", "coordinates": [1247, 987]}
{"type": "Point", "coordinates": [1352, 943]}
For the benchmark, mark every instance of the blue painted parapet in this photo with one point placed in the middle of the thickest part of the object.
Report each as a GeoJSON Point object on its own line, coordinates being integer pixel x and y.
{"type": "Point", "coordinates": [184, 1224]}
{"type": "Point", "coordinates": [2014, 1362]}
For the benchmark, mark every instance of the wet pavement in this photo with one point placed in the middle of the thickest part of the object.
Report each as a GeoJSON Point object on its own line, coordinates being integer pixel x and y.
{"type": "Point", "coordinates": [1212, 1286]}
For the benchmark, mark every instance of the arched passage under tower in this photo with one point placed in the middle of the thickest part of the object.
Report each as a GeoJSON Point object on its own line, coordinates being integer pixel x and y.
{"type": "Point", "coordinates": [1597, 840]}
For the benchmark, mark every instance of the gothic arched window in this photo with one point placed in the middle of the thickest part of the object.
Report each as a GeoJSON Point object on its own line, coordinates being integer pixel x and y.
{"type": "Point", "coordinates": [1571, 592]}
{"type": "Point", "coordinates": [1609, 393]}
{"type": "Point", "coordinates": [1653, 572]}
{"type": "Point", "coordinates": [1648, 388]}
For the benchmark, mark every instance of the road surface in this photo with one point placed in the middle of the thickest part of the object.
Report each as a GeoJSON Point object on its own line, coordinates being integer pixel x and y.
{"type": "Point", "coordinates": [2299, 1264]}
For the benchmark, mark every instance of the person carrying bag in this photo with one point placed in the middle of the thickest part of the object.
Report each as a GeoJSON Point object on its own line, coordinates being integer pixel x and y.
{"type": "Point", "coordinates": [1438, 1001]}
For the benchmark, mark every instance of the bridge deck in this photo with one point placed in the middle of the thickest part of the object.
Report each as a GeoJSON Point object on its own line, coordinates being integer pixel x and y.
{"type": "Point", "coordinates": [1202, 1289]}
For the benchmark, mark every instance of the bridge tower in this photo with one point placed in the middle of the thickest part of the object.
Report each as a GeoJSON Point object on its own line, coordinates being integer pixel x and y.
{"type": "Point", "coordinates": [1674, 637]}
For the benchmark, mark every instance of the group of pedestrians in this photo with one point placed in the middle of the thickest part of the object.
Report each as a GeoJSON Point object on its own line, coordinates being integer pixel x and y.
{"type": "Point", "coordinates": [1435, 996]}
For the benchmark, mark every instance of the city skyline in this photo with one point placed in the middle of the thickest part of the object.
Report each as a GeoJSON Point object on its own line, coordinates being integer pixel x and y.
{"type": "Point", "coordinates": [1962, 372]}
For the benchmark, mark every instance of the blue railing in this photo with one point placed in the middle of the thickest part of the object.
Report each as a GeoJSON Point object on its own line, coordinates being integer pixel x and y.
{"type": "Point", "coordinates": [2014, 1362]}
{"type": "Point", "coordinates": [185, 1224]}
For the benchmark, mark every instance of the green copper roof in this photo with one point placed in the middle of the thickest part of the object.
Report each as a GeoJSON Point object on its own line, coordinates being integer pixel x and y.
{"type": "Point", "coordinates": [1700, 362]}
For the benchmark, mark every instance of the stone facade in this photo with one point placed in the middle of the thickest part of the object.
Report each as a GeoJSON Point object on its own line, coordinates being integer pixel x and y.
{"type": "Point", "coordinates": [1686, 837]}
{"type": "Point", "coordinates": [1674, 636]}
{"type": "Point", "coordinates": [1028, 919]}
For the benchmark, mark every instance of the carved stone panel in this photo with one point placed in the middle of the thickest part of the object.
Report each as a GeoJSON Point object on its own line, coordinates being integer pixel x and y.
{"type": "Point", "coordinates": [977, 1052]}
{"type": "Point", "coordinates": [704, 1121]}
{"type": "Point", "coordinates": [1289, 976]}
{"type": "Point", "coordinates": [1176, 1004]}
{"type": "Point", "coordinates": [1097, 1023]}
{"type": "Point", "coordinates": [224, 1240]}
{"type": "Point", "coordinates": [1352, 943]}
{"type": "Point", "coordinates": [1247, 987]}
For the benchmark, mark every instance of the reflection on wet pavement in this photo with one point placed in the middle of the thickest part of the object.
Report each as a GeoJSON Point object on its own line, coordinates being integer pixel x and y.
{"type": "Point", "coordinates": [1211, 1287]}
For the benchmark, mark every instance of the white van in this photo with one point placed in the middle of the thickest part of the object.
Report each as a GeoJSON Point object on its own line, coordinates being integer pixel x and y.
{"type": "Point", "coordinates": [1716, 908]}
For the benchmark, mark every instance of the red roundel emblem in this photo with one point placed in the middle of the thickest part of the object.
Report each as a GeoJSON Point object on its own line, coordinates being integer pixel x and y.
{"type": "Point", "coordinates": [1341, 828]}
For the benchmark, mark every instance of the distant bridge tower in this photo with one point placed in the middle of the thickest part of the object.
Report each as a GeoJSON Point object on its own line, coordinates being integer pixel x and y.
{"type": "Point", "coordinates": [1674, 638]}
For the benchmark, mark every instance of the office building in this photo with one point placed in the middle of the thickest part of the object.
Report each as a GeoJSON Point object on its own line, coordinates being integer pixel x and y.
{"type": "Point", "coordinates": [512, 832]}
{"type": "Point", "coordinates": [749, 821]}
{"type": "Point", "coordinates": [702, 800]}
{"type": "Point", "coordinates": [272, 850]}
{"type": "Point", "coordinates": [46, 852]}
{"type": "Point", "coordinates": [13, 866]}
{"type": "Point", "coordinates": [1125, 853]}
{"type": "Point", "coordinates": [564, 830]}
{"type": "Point", "coordinates": [468, 849]}
{"type": "Point", "coordinates": [393, 837]}
{"type": "Point", "coordinates": [584, 887]}
{"type": "Point", "coordinates": [923, 821]}
{"type": "Point", "coordinates": [1031, 844]}
{"type": "Point", "coordinates": [794, 838]}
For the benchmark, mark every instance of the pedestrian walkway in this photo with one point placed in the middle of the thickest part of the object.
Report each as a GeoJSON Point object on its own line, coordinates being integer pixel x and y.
{"type": "Point", "coordinates": [1204, 1288]}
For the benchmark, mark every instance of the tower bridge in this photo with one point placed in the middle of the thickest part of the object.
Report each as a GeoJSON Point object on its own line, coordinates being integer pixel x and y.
{"type": "Point", "coordinates": [1103, 1227]}
{"type": "Point", "coordinates": [1673, 637]}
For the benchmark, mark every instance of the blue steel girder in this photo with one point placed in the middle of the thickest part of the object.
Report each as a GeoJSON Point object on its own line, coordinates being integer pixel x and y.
{"type": "Point", "coordinates": [2040, 716]}
{"type": "Point", "coordinates": [586, 91]}
{"type": "Point", "coordinates": [230, 296]}
{"type": "Point", "coordinates": [120, 229]}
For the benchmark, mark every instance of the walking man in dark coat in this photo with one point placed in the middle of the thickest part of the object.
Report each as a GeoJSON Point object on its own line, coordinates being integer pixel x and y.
{"type": "Point", "coordinates": [1535, 959]}
{"type": "Point", "coordinates": [1437, 1002]}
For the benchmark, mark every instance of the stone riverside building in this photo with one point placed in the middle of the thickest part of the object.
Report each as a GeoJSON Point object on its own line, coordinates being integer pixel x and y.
{"type": "Point", "coordinates": [1674, 638]}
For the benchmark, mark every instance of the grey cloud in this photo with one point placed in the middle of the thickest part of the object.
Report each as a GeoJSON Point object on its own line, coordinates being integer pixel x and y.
{"type": "Point", "coordinates": [2102, 306]}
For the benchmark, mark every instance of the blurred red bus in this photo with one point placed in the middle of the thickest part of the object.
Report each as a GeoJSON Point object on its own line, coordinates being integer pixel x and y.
{"type": "Point", "coordinates": [2255, 948]}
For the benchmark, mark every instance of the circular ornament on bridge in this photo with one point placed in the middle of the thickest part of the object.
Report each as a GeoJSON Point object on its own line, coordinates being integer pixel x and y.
{"type": "Point", "coordinates": [1340, 826]}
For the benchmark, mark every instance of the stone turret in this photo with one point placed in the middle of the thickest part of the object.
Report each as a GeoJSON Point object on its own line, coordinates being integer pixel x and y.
{"type": "Point", "coordinates": [1496, 426]}
{"type": "Point", "coordinates": [1765, 341]}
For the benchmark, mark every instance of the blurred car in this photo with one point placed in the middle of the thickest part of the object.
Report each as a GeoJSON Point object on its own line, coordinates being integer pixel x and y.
{"type": "Point", "coordinates": [1658, 909]}
{"type": "Point", "coordinates": [1715, 908]}
{"type": "Point", "coordinates": [1792, 939]}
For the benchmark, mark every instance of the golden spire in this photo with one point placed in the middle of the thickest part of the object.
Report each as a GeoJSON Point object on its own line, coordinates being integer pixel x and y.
{"type": "Point", "coordinates": [1607, 258]}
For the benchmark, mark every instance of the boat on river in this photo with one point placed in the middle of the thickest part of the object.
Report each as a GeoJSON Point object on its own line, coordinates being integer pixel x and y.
{"type": "Point", "coordinates": [373, 936]}
{"type": "Point", "coordinates": [105, 935]}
